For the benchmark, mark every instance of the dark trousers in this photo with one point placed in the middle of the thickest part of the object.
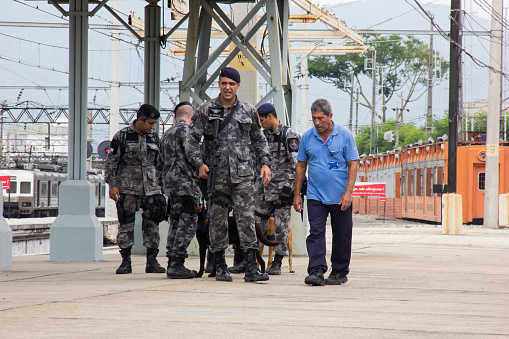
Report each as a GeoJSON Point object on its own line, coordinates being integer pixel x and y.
{"type": "Point", "coordinates": [341, 222]}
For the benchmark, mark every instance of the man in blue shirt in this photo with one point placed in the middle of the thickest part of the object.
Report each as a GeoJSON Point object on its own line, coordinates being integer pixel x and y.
{"type": "Point", "coordinates": [330, 152]}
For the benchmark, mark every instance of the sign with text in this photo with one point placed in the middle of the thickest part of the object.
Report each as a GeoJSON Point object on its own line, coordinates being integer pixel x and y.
{"type": "Point", "coordinates": [369, 189]}
{"type": "Point", "coordinates": [6, 179]}
{"type": "Point", "coordinates": [241, 62]}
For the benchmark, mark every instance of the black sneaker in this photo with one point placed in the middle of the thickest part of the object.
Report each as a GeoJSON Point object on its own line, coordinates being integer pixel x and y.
{"type": "Point", "coordinates": [336, 278]}
{"type": "Point", "coordinates": [315, 278]}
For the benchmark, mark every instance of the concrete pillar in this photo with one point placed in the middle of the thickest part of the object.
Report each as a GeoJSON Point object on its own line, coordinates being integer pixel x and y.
{"type": "Point", "coordinates": [503, 210]}
{"type": "Point", "coordinates": [77, 234]}
{"type": "Point", "coordinates": [152, 89]}
{"type": "Point", "coordinates": [452, 214]}
{"type": "Point", "coordinates": [5, 239]}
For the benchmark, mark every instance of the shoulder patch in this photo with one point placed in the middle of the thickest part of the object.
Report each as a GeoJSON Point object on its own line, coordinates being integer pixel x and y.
{"type": "Point", "coordinates": [293, 144]}
{"type": "Point", "coordinates": [113, 147]}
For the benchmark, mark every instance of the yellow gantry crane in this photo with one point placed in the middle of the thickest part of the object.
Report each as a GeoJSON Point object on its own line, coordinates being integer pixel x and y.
{"type": "Point", "coordinates": [351, 41]}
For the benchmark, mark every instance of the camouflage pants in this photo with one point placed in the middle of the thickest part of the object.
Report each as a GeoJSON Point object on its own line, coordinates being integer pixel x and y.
{"type": "Point", "coordinates": [242, 199]}
{"type": "Point", "coordinates": [281, 219]}
{"type": "Point", "coordinates": [127, 206]}
{"type": "Point", "coordinates": [183, 223]}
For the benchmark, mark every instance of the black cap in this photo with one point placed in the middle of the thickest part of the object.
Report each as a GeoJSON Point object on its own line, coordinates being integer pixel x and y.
{"type": "Point", "coordinates": [148, 111]}
{"type": "Point", "coordinates": [266, 109]}
{"type": "Point", "coordinates": [231, 73]}
{"type": "Point", "coordinates": [180, 104]}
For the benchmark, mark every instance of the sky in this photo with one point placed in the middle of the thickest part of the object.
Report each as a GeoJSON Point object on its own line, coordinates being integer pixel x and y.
{"type": "Point", "coordinates": [34, 60]}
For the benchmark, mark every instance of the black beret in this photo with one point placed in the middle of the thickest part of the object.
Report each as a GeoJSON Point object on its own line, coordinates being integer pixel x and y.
{"type": "Point", "coordinates": [180, 104]}
{"type": "Point", "coordinates": [149, 111]}
{"type": "Point", "coordinates": [266, 109]}
{"type": "Point", "coordinates": [231, 73]}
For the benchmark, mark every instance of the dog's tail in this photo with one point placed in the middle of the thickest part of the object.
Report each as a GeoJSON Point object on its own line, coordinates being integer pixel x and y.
{"type": "Point", "coordinates": [263, 239]}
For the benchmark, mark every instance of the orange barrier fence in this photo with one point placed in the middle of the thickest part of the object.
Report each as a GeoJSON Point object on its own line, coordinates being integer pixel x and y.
{"type": "Point", "coordinates": [414, 207]}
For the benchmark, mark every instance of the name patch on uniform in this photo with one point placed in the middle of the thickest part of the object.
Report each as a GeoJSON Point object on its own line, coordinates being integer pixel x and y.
{"type": "Point", "coordinates": [216, 113]}
{"type": "Point", "coordinates": [293, 144]}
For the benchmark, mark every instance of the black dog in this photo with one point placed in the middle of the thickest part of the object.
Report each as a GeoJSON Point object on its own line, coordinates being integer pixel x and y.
{"type": "Point", "coordinates": [233, 238]}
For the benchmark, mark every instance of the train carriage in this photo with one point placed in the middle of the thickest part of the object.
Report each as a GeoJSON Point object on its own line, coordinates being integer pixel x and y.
{"type": "Point", "coordinates": [416, 175]}
{"type": "Point", "coordinates": [35, 194]}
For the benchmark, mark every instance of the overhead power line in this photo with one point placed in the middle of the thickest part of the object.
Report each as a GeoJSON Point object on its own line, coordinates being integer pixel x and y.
{"type": "Point", "coordinates": [461, 48]}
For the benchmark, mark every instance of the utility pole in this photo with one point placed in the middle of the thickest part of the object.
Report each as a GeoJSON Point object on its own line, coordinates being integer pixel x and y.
{"type": "Point", "coordinates": [2, 133]}
{"type": "Point", "coordinates": [384, 108]}
{"type": "Point", "coordinates": [399, 117]}
{"type": "Point", "coordinates": [454, 86]}
{"type": "Point", "coordinates": [304, 109]}
{"type": "Point", "coordinates": [493, 121]}
{"type": "Point", "coordinates": [350, 121]}
{"type": "Point", "coordinates": [357, 112]}
{"type": "Point", "coordinates": [396, 127]}
{"type": "Point", "coordinates": [373, 104]}
{"type": "Point", "coordinates": [429, 115]}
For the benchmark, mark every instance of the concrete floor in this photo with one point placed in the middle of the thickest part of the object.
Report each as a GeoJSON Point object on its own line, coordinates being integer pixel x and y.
{"type": "Point", "coordinates": [407, 280]}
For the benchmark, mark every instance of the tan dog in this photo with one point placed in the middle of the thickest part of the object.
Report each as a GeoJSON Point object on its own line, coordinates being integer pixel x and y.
{"type": "Point", "coordinates": [270, 232]}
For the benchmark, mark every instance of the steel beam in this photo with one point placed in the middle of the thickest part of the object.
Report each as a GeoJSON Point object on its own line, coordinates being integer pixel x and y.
{"type": "Point", "coordinates": [191, 43]}
{"type": "Point", "coordinates": [274, 26]}
{"type": "Point", "coordinates": [152, 53]}
{"type": "Point", "coordinates": [278, 74]}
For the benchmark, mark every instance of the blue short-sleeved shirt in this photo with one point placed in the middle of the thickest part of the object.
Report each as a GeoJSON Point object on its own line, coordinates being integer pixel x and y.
{"type": "Point", "coordinates": [327, 184]}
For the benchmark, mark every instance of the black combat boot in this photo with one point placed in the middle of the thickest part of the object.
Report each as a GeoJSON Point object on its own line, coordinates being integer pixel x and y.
{"type": "Point", "coordinates": [275, 268]}
{"type": "Point", "coordinates": [210, 262]}
{"type": "Point", "coordinates": [177, 270]}
{"type": "Point", "coordinates": [152, 264]}
{"type": "Point", "coordinates": [252, 271]}
{"type": "Point", "coordinates": [169, 264]}
{"type": "Point", "coordinates": [240, 268]}
{"type": "Point", "coordinates": [221, 267]}
{"type": "Point", "coordinates": [239, 264]}
{"type": "Point", "coordinates": [125, 267]}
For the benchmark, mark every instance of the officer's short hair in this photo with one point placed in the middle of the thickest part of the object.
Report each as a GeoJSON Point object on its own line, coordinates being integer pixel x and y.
{"type": "Point", "coordinates": [181, 111]}
{"type": "Point", "coordinates": [321, 105]}
{"type": "Point", "coordinates": [147, 111]}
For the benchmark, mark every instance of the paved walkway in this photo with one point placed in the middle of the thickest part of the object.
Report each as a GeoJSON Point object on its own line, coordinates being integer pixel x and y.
{"type": "Point", "coordinates": [407, 281]}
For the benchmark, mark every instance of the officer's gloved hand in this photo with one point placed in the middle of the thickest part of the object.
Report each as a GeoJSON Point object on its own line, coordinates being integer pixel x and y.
{"type": "Point", "coordinates": [286, 196]}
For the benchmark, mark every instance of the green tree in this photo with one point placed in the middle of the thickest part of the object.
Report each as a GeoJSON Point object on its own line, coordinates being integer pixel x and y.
{"type": "Point", "coordinates": [408, 134]}
{"type": "Point", "coordinates": [403, 62]}
{"type": "Point", "coordinates": [440, 127]}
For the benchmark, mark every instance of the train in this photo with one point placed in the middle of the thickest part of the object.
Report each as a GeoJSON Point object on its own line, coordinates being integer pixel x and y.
{"type": "Point", "coordinates": [35, 193]}
{"type": "Point", "coordinates": [416, 176]}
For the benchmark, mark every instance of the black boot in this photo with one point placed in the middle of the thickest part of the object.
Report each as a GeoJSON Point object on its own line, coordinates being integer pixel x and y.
{"type": "Point", "coordinates": [275, 268]}
{"type": "Point", "coordinates": [125, 267]}
{"type": "Point", "coordinates": [221, 267]}
{"type": "Point", "coordinates": [252, 271]}
{"type": "Point", "coordinates": [169, 263]}
{"type": "Point", "coordinates": [210, 262]}
{"type": "Point", "coordinates": [177, 270]}
{"type": "Point", "coordinates": [152, 264]}
{"type": "Point", "coordinates": [238, 257]}
{"type": "Point", "coordinates": [240, 268]}
{"type": "Point", "coordinates": [239, 264]}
